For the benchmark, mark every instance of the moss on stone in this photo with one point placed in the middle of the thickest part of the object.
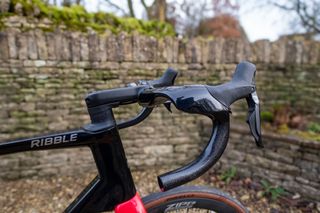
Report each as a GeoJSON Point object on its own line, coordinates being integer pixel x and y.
{"type": "Point", "coordinates": [267, 116]}
{"type": "Point", "coordinates": [309, 135]}
{"type": "Point", "coordinates": [77, 18]}
{"type": "Point", "coordinates": [314, 127]}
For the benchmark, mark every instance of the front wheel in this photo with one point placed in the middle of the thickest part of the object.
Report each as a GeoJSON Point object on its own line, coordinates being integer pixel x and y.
{"type": "Point", "coordinates": [192, 199]}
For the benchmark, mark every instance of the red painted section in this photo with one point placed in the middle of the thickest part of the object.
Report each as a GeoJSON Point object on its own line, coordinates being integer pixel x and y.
{"type": "Point", "coordinates": [134, 205]}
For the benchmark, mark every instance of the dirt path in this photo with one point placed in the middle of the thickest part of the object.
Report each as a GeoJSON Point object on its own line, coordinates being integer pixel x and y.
{"type": "Point", "coordinates": [53, 194]}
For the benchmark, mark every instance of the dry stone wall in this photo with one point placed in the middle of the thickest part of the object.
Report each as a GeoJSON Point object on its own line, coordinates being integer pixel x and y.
{"type": "Point", "coordinates": [285, 161]}
{"type": "Point", "coordinates": [44, 76]}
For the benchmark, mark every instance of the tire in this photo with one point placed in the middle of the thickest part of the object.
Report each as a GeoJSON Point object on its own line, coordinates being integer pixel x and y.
{"type": "Point", "coordinates": [192, 199]}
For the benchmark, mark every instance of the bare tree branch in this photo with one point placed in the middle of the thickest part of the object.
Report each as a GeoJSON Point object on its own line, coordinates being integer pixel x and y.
{"type": "Point", "coordinates": [147, 8]}
{"type": "Point", "coordinates": [308, 20]}
{"type": "Point", "coordinates": [308, 12]}
{"type": "Point", "coordinates": [283, 7]}
{"type": "Point", "coordinates": [116, 7]}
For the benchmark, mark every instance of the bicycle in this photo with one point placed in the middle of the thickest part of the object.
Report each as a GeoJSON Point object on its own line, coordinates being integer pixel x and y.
{"type": "Point", "coordinates": [113, 188]}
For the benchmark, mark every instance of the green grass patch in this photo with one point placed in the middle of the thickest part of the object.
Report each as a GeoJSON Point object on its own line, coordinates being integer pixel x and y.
{"type": "Point", "coordinates": [314, 127]}
{"type": "Point", "coordinates": [267, 116]}
{"type": "Point", "coordinates": [229, 175]}
{"type": "Point", "coordinates": [270, 191]}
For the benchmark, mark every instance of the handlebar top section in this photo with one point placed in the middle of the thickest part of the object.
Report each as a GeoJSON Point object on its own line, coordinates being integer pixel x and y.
{"type": "Point", "coordinates": [128, 95]}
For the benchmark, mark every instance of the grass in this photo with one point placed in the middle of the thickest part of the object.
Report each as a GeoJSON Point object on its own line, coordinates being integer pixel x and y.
{"type": "Point", "coordinates": [229, 175]}
{"type": "Point", "coordinates": [77, 18]}
{"type": "Point", "coordinates": [273, 192]}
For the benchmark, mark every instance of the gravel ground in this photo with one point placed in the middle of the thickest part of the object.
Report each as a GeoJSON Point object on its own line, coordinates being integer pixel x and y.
{"type": "Point", "coordinates": [55, 193]}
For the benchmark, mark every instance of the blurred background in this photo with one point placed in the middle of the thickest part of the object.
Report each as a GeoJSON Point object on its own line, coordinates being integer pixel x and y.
{"type": "Point", "coordinates": [52, 53]}
{"type": "Point", "coordinates": [247, 19]}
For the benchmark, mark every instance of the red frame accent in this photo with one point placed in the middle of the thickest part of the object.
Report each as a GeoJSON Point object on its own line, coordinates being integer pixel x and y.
{"type": "Point", "coordinates": [134, 205]}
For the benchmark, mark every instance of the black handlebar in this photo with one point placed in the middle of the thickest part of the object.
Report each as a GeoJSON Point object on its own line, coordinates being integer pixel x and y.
{"type": "Point", "coordinates": [211, 101]}
{"type": "Point", "coordinates": [214, 102]}
{"type": "Point", "coordinates": [128, 95]}
{"type": "Point", "coordinates": [193, 99]}
{"type": "Point", "coordinates": [209, 156]}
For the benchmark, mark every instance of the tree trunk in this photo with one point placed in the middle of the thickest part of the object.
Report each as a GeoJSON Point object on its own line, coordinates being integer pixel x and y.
{"type": "Point", "coordinates": [66, 3]}
{"type": "Point", "coordinates": [130, 6]}
{"type": "Point", "coordinates": [162, 8]}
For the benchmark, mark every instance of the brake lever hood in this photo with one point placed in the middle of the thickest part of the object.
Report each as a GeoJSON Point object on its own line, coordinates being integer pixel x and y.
{"type": "Point", "coordinates": [191, 99]}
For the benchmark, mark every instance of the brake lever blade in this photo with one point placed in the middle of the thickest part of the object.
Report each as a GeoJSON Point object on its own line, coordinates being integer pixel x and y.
{"type": "Point", "coordinates": [168, 106]}
{"type": "Point", "coordinates": [253, 118]}
{"type": "Point", "coordinates": [144, 113]}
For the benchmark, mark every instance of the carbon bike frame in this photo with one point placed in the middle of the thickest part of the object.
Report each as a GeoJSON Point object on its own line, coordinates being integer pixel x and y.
{"type": "Point", "coordinates": [113, 187]}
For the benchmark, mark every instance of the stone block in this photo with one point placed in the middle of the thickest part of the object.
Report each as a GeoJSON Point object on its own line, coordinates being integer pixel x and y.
{"type": "Point", "coordinates": [51, 45]}
{"type": "Point", "coordinates": [272, 165]}
{"type": "Point", "coordinates": [278, 52]}
{"type": "Point", "coordinates": [12, 36]}
{"type": "Point", "coordinates": [182, 51]}
{"type": "Point", "coordinates": [310, 174]}
{"type": "Point", "coordinates": [4, 50]}
{"type": "Point", "coordinates": [4, 6]}
{"type": "Point", "coordinates": [261, 51]}
{"type": "Point", "coordinates": [84, 48]}
{"type": "Point", "coordinates": [312, 157]}
{"type": "Point", "coordinates": [125, 43]}
{"type": "Point", "coordinates": [75, 46]}
{"type": "Point", "coordinates": [114, 48]}
{"type": "Point", "coordinates": [162, 55]}
{"type": "Point", "coordinates": [314, 52]}
{"type": "Point", "coordinates": [144, 48]}
{"type": "Point", "coordinates": [175, 50]}
{"type": "Point", "coordinates": [205, 51]}
{"type": "Point", "coordinates": [59, 45]}
{"type": "Point", "coordinates": [22, 45]}
{"type": "Point", "coordinates": [193, 51]}
{"type": "Point", "coordinates": [187, 148]}
{"type": "Point", "coordinates": [282, 157]}
{"type": "Point", "coordinates": [9, 163]}
{"type": "Point", "coordinates": [93, 44]}
{"type": "Point", "coordinates": [12, 175]}
{"type": "Point", "coordinates": [48, 171]}
{"type": "Point", "coordinates": [229, 51]}
{"type": "Point", "coordinates": [158, 150]}
{"type": "Point", "coordinates": [304, 164]}
{"type": "Point", "coordinates": [32, 46]}
{"type": "Point", "coordinates": [102, 48]}
{"type": "Point", "coordinates": [216, 50]}
{"type": "Point", "coordinates": [241, 48]}
{"type": "Point", "coordinates": [235, 155]}
{"type": "Point", "coordinates": [294, 52]}
{"type": "Point", "coordinates": [65, 47]}
{"type": "Point", "coordinates": [28, 173]}
{"type": "Point", "coordinates": [41, 45]}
